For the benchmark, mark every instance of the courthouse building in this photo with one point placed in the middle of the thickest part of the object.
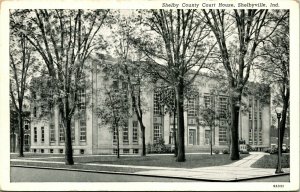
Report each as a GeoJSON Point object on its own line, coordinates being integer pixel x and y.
{"type": "Point", "coordinates": [90, 136]}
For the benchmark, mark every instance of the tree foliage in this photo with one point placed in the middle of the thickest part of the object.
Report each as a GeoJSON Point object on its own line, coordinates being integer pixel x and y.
{"type": "Point", "coordinates": [64, 40]}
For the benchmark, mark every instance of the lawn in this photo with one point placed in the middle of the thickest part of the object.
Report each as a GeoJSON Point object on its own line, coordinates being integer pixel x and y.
{"type": "Point", "coordinates": [192, 160]}
{"type": "Point", "coordinates": [270, 161]}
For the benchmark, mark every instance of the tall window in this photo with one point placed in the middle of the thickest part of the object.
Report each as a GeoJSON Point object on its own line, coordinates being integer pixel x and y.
{"type": "Point", "coordinates": [222, 133]}
{"type": "Point", "coordinates": [81, 99]}
{"type": "Point", "coordinates": [35, 134]}
{"type": "Point", "coordinates": [61, 133]}
{"type": "Point", "coordinates": [260, 126]}
{"type": "Point", "coordinates": [34, 112]}
{"type": "Point", "coordinates": [157, 132]}
{"type": "Point", "coordinates": [42, 134]}
{"type": "Point", "coordinates": [115, 136]}
{"type": "Point", "coordinates": [115, 85]}
{"type": "Point", "coordinates": [250, 122]}
{"type": "Point", "coordinates": [207, 137]}
{"type": "Point", "coordinates": [26, 139]}
{"type": "Point", "coordinates": [124, 85]}
{"type": "Point", "coordinates": [223, 107]}
{"type": "Point", "coordinates": [52, 133]}
{"type": "Point", "coordinates": [156, 102]}
{"type": "Point", "coordinates": [125, 134]}
{"type": "Point", "coordinates": [135, 131]}
{"type": "Point", "coordinates": [207, 101]}
{"type": "Point", "coordinates": [82, 124]}
{"type": "Point", "coordinates": [192, 107]}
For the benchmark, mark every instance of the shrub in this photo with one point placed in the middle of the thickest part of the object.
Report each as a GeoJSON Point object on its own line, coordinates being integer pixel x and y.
{"type": "Point", "coordinates": [225, 151]}
{"type": "Point", "coordinates": [159, 147]}
{"type": "Point", "coordinates": [216, 151]}
{"type": "Point", "coordinates": [267, 150]}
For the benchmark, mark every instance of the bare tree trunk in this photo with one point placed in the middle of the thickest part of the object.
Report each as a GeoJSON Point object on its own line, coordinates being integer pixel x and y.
{"type": "Point", "coordinates": [13, 141]}
{"type": "Point", "coordinates": [284, 116]}
{"type": "Point", "coordinates": [179, 98]}
{"type": "Point", "coordinates": [21, 133]}
{"type": "Point", "coordinates": [175, 133]}
{"type": "Point", "coordinates": [68, 143]}
{"type": "Point", "coordinates": [68, 140]}
{"type": "Point", "coordinates": [234, 147]}
{"type": "Point", "coordinates": [118, 141]}
{"type": "Point", "coordinates": [211, 136]}
{"type": "Point", "coordinates": [143, 140]}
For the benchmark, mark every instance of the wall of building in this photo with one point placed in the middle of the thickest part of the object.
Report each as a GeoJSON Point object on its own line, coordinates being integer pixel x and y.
{"type": "Point", "coordinates": [99, 137]}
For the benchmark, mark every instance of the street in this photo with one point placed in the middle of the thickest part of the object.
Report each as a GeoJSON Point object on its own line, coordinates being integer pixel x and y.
{"type": "Point", "coordinates": [20, 174]}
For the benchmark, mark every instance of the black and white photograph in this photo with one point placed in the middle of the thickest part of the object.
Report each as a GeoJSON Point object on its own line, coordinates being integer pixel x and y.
{"type": "Point", "coordinates": [148, 96]}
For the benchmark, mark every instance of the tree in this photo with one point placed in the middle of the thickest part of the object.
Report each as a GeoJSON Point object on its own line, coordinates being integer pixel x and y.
{"type": "Point", "coordinates": [64, 40]}
{"type": "Point", "coordinates": [132, 70]}
{"type": "Point", "coordinates": [168, 101]}
{"type": "Point", "coordinates": [209, 116]}
{"type": "Point", "coordinates": [175, 43]}
{"type": "Point", "coordinates": [275, 69]}
{"type": "Point", "coordinates": [114, 110]}
{"type": "Point", "coordinates": [251, 28]}
{"type": "Point", "coordinates": [22, 60]}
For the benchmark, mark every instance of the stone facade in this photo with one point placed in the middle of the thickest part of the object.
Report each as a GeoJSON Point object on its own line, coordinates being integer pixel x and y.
{"type": "Point", "coordinates": [92, 137]}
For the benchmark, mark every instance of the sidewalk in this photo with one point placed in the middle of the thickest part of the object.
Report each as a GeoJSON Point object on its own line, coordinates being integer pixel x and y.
{"type": "Point", "coordinates": [239, 170]}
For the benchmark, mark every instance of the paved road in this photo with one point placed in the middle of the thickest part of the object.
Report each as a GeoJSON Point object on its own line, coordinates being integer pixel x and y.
{"type": "Point", "coordinates": [19, 174]}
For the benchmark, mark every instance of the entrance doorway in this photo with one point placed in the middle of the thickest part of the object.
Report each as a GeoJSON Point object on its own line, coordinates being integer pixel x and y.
{"type": "Point", "coordinates": [192, 137]}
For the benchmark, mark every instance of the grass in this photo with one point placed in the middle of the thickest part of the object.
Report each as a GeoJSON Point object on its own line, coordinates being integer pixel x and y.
{"type": "Point", "coordinates": [192, 160]}
{"type": "Point", "coordinates": [270, 161]}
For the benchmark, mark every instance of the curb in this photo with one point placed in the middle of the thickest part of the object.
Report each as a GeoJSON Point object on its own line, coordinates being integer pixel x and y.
{"type": "Point", "coordinates": [145, 175]}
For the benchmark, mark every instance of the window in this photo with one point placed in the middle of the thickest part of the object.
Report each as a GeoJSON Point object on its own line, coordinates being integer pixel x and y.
{"type": "Point", "coordinates": [124, 85]}
{"type": "Point", "coordinates": [73, 130]}
{"type": "Point", "coordinates": [35, 135]}
{"type": "Point", "coordinates": [157, 132]}
{"type": "Point", "coordinates": [82, 124]}
{"type": "Point", "coordinates": [81, 99]}
{"type": "Point", "coordinates": [51, 150]}
{"type": "Point", "coordinates": [34, 112]}
{"type": "Point", "coordinates": [61, 151]}
{"type": "Point", "coordinates": [135, 131]}
{"type": "Point", "coordinates": [135, 151]}
{"type": "Point", "coordinates": [34, 95]}
{"type": "Point", "coordinates": [207, 101]}
{"type": "Point", "coordinates": [207, 137]}
{"type": "Point", "coordinates": [42, 134]}
{"type": "Point", "coordinates": [223, 107]}
{"type": "Point", "coordinates": [52, 133]}
{"type": "Point", "coordinates": [115, 136]}
{"type": "Point", "coordinates": [61, 133]}
{"type": "Point", "coordinates": [26, 139]}
{"type": "Point", "coordinates": [115, 151]}
{"type": "Point", "coordinates": [171, 138]}
{"type": "Point", "coordinates": [115, 85]}
{"type": "Point", "coordinates": [34, 150]}
{"type": "Point", "coordinates": [26, 127]}
{"type": "Point", "coordinates": [81, 151]}
{"type": "Point", "coordinates": [125, 134]}
{"type": "Point", "coordinates": [192, 107]}
{"type": "Point", "coordinates": [42, 150]}
{"type": "Point", "coordinates": [222, 134]}
{"type": "Point", "coordinates": [172, 120]}
{"type": "Point", "coordinates": [156, 103]}
{"type": "Point", "coordinates": [125, 151]}
{"type": "Point", "coordinates": [43, 109]}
